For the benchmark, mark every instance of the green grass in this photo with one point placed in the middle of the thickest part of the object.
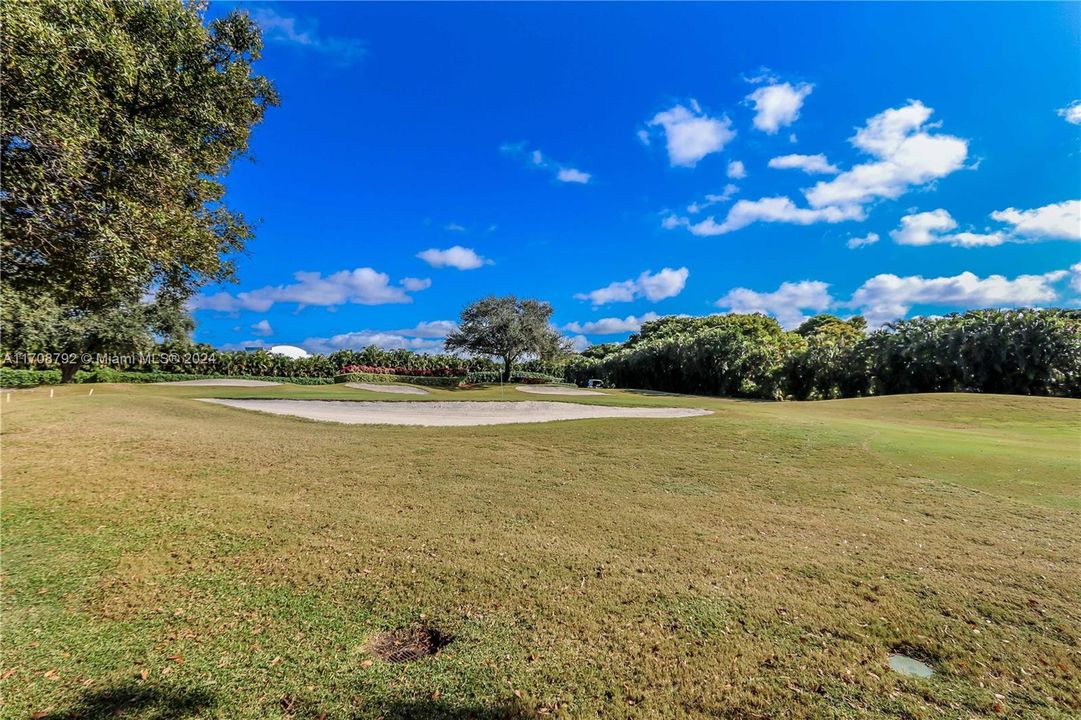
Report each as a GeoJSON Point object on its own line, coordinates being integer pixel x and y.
{"type": "Point", "coordinates": [756, 563]}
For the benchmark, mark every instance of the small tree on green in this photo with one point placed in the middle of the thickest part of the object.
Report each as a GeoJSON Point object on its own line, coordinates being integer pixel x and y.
{"type": "Point", "coordinates": [507, 329]}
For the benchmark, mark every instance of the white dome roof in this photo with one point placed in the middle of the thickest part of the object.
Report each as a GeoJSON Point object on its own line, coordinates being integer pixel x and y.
{"type": "Point", "coordinates": [289, 351]}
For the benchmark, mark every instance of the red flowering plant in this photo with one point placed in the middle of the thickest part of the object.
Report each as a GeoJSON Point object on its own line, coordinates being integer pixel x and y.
{"type": "Point", "coordinates": [414, 372]}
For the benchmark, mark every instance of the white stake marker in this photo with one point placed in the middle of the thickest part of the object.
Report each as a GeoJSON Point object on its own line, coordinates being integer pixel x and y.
{"type": "Point", "coordinates": [91, 392]}
{"type": "Point", "coordinates": [50, 392]}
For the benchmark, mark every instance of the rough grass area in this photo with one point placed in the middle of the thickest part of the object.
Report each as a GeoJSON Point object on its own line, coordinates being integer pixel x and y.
{"type": "Point", "coordinates": [166, 558]}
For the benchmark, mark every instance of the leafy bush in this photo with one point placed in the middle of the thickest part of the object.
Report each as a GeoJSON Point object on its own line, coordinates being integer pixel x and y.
{"type": "Point", "coordinates": [517, 376]}
{"type": "Point", "coordinates": [1026, 351]}
{"type": "Point", "coordinates": [10, 378]}
{"type": "Point", "coordinates": [32, 378]}
{"type": "Point", "coordinates": [388, 378]}
{"type": "Point", "coordinates": [484, 376]}
{"type": "Point", "coordinates": [533, 378]}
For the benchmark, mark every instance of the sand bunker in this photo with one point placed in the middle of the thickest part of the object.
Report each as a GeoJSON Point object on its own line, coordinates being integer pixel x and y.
{"type": "Point", "coordinates": [554, 390]}
{"type": "Point", "coordinates": [395, 389]}
{"type": "Point", "coordinates": [447, 413]}
{"type": "Point", "coordinates": [222, 382]}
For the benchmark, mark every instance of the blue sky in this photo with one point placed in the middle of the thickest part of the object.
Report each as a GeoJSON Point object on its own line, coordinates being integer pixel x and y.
{"type": "Point", "coordinates": [626, 161]}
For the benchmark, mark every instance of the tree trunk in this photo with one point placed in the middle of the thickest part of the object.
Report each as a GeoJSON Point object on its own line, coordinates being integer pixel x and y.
{"type": "Point", "coordinates": [508, 363]}
{"type": "Point", "coordinates": [67, 372]}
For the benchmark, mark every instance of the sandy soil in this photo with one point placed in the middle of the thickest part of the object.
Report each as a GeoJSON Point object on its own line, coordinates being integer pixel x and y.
{"type": "Point", "coordinates": [382, 388]}
{"type": "Point", "coordinates": [554, 390]}
{"type": "Point", "coordinates": [447, 413]}
{"type": "Point", "coordinates": [222, 382]}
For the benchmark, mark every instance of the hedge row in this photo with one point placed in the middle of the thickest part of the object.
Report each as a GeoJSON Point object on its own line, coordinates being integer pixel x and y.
{"type": "Point", "coordinates": [356, 377]}
{"type": "Point", "coordinates": [12, 378]}
{"type": "Point", "coordinates": [1022, 352]}
{"type": "Point", "coordinates": [517, 376]}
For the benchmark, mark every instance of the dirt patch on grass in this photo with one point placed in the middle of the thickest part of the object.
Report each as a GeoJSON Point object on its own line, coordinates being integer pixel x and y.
{"type": "Point", "coordinates": [408, 644]}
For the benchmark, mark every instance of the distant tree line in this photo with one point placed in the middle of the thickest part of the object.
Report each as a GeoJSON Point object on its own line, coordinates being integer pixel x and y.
{"type": "Point", "coordinates": [1024, 352]}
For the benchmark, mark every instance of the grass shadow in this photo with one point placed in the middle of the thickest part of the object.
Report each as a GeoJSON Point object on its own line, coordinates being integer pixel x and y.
{"type": "Point", "coordinates": [144, 702]}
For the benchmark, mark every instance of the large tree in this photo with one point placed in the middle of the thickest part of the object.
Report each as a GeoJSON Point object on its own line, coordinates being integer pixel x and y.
{"type": "Point", "coordinates": [508, 329]}
{"type": "Point", "coordinates": [120, 120]}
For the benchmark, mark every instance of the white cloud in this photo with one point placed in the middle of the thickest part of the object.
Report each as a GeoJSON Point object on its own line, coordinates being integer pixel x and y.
{"type": "Point", "coordinates": [691, 134]}
{"type": "Point", "coordinates": [888, 297]}
{"type": "Point", "coordinates": [858, 242]}
{"type": "Point", "coordinates": [786, 303]}
{"type": "Point", "coordinates": [579, 343]}
{"type": "Point", "coordinates": [424, 337]}
{"type": "Point", "coordinates": [363, 286]}
{"type": "Point", "coordinates": [664, 284]}
{"type": "Point", "coordinates": [711, 199]}
{"type": "Point", "coordinates": [778, 105]}
{"type": "Point", "coordinates": [770, 210]}
{"type": "Point", "coordinates": [459, 257]}
{"type": "Point", "coordinates": [922, 228]}
{"type": "Point", "coordinates": [535, 158]}
{"type": "Point", "coordinates": [611, 325]}
{"type": "Point", "coordinates": [906, 155]}
{"type": "Point", "coordinates": [430, 329]}
{"type": "Point", "coordinates": [736, 170]}
{"type": "Point", "coordinates": [810, 164]}
{"type": "Point", "coordinates": [414, 284]}
{"type": "Point", "coordinates": [931, 228]}
{"type": "Point", "coordinates": [571, 175]}
{"type": "Point", "coordinates": [285, 29]}
{"type": "Point", "coordinates": [454, 227]}
{"type": "Point", "coordinates": [262, 328]}
{"type": "Point", "coordinates": [1071, 113]}
{"type": "Point", "coordinates": [1061, 221]}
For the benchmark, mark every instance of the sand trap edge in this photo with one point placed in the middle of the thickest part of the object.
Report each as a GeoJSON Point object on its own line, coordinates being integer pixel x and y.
{"type": "Point", "coordinates": [447, 413]}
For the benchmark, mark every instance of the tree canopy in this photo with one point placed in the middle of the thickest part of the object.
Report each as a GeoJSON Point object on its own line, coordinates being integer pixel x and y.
{"type": "Point", "coordinates": [1024, 351]}
{"type": "Point", "coordinates": [507, 328]}
{"type": "Point", "coordinates": [120, 120]}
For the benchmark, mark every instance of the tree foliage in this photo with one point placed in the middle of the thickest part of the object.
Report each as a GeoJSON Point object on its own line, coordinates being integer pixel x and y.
{"type": "Point", "coordinates": [120, 120]}
{"type": "Point", "coordinates": [507, 328]}
{"type": "Point", "coordinates": [1026, 351]}
{"type": "Point", "coordinates": [39, 325]}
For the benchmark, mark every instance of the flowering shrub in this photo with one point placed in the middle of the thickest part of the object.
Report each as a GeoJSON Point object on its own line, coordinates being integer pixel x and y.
{"type": "Point", "coordinates": [412, 372]}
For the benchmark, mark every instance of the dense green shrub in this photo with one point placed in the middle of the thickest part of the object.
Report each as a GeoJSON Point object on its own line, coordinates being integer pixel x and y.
{"type": "Point", "coordinates": [387, 379]}
{"type": "Point", "coordinates": [1027, 351]}
{"type": "Point", "coordinates": [740, 355]}
{"type": "Point", "coordinates": [204, 361]}
{"type": "Point", "coordinates": [1020, 352]}
{"type": "Point", "coordinates": [30, 378]}
{"type": "Point", "coordinates": [482, 377]}
{"type": "Point", "coordinates": [517, 376]}
{"type": "Point", "coordinates": [533, 378]}
{"type": "Point", "coordinates": [12, 378]}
